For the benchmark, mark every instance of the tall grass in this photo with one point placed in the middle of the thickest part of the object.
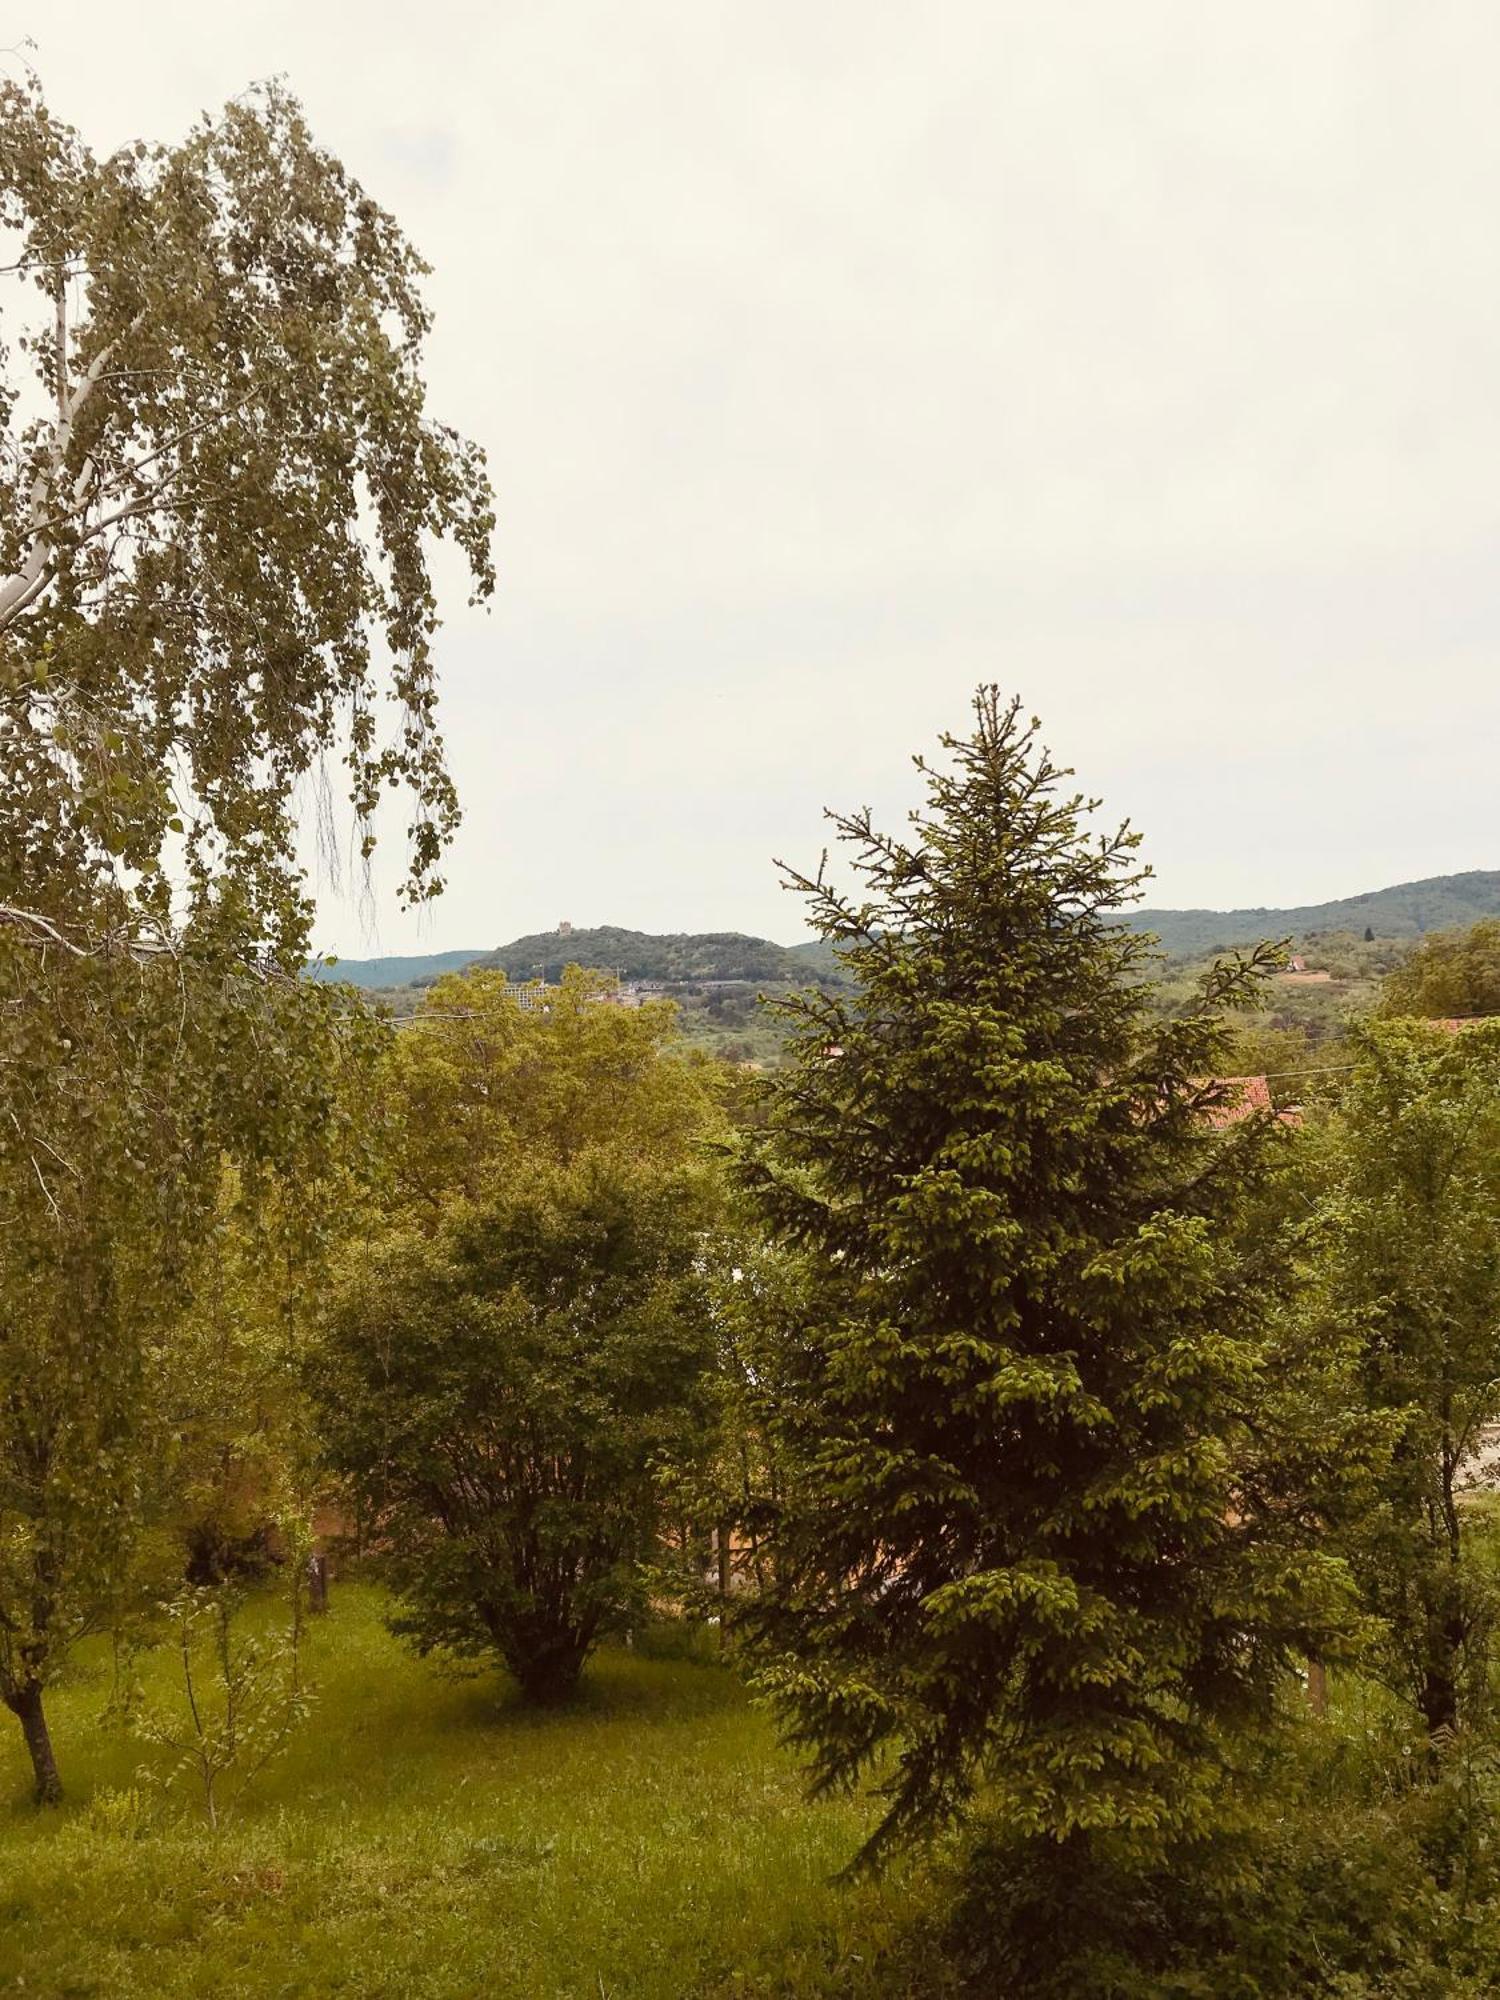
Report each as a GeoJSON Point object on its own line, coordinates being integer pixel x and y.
{"type": "Point", "coordinates": [427, 1836]}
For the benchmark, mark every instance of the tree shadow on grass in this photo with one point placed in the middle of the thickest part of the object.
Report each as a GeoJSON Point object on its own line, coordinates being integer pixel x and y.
{"type": "Point", "coordinates": [616, 1686]}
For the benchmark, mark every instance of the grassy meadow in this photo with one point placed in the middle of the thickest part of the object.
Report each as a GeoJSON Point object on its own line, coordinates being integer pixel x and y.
{"type": "Point", "coordinates": [425, 1835]}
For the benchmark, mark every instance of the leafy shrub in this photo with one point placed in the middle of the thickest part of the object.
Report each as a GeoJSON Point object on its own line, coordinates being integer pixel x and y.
{"type": "Point", "coordinates": [1345, 1878]}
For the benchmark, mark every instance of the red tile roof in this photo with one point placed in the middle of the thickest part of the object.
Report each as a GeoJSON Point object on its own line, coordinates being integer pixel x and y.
{"type": "Point", "coordinates": [1247, 1095]}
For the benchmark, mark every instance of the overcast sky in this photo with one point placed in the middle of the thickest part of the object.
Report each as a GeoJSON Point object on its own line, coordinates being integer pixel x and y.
{"type": "Point", "coordinates": [1140, 355]}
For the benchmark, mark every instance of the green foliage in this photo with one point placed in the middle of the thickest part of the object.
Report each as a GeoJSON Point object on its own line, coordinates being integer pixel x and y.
{"type": "Point", "coordinates": [1298, 1025]}
{"type": "Point", "coordinates": [125, 1099]}
{"type": "Point", "coordinates": [240, 1697]}
{"type": "Point", "coordinates": [758, 1297]}
{"type": "Point", "coordinates": [243, 1473]}
{"type": "Point", "coordinates": [1452, 976]}
{"type": "Point", "coordinates": [1023, 1552]}
{"type": "Point", "coordinates": [1262, 1050]}
{"type": "Point", "coordinates": [1353, 960]}
{"type": "Point", "coordinates": [1405, 1281]}
{"type": "Point", "coordinates": [506, 1365]}
{"type": "Point", "coordinates": [219, 492]}
{"type": "Point", "coordinates": [502, 1390]}
{"type": "Point", "coordinates": [482, 1082]}
{"type": "Point", "coordinates": [1323, 1886]}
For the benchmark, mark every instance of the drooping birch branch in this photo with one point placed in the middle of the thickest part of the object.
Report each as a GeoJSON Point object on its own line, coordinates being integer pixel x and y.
{"type": "Point", "coordinates": [47, 510]}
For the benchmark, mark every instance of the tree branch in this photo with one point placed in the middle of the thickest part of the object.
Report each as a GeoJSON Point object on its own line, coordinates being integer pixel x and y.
{"type": "Point", "coordinates": [22, 589]}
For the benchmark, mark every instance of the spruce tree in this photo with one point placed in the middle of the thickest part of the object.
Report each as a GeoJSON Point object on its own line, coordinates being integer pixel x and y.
{"type": "Point", "coordinates": [1026, 1552]}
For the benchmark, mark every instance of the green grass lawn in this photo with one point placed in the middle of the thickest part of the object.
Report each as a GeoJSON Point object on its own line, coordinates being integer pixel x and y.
{"type": "Point", "coordinates": [426, 1836]}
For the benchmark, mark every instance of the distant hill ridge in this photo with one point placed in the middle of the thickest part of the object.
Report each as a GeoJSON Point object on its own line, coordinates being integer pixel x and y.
{"type": "Point", "coordinates": [1409, 909]}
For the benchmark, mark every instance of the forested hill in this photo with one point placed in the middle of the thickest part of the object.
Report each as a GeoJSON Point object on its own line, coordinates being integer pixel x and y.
{"type": "Point", "coordinates": [678, 958]}
{"type": "Point", "coordinates": [1409, 909]}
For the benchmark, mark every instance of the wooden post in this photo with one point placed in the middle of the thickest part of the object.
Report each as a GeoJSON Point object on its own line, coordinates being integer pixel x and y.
{"type": "Point", "coordinates": [317, 1583]}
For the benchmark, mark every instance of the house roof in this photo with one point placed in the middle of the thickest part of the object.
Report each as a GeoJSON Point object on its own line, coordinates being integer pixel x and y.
{"type": "Point", "coordinates": [1246, 1096]}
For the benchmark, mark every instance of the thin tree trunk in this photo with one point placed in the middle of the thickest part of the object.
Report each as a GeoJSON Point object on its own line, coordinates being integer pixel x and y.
{"type": "Point", "coordinates": [1317, 1686]}
{"type": "Point", "coordinates": [1447, 1623]}
{"type": "Point", "coordinates": [26, 1704]}
{"type": "Point", "coordinates": [1440, 1685]}
{"type": "Point", "coordinates": [726, 1579]}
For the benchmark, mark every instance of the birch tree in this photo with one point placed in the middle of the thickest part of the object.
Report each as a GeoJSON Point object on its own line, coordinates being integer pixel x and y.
{"type": "Point", "coordinates": [219, 495]}
{"type": "Point", "coordinates": [218, 492]}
